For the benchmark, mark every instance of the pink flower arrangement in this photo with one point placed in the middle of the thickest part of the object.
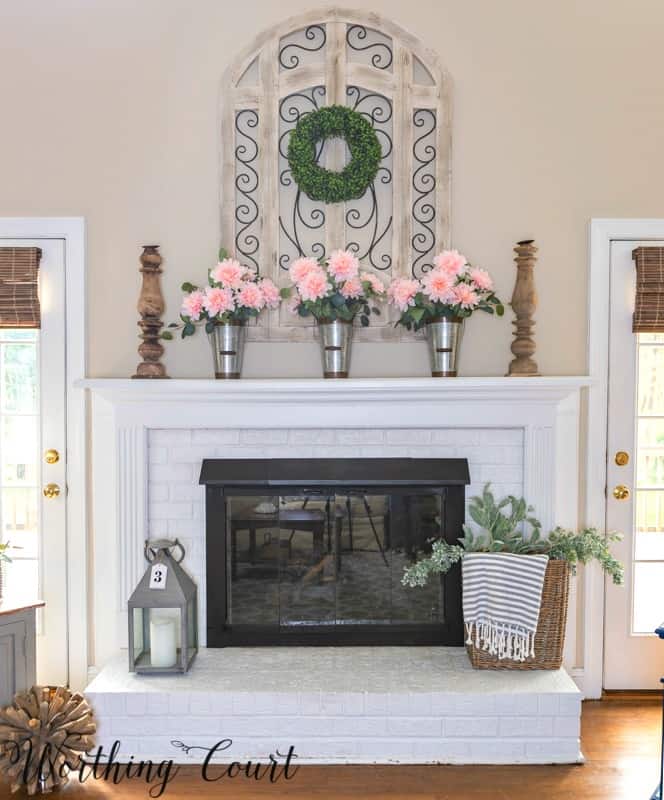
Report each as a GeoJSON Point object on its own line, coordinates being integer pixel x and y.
{"type": "Point", "coordinates": [452, 289]}
{"type": "Point", "coordinates": [451, 262]}
{"type": "Point", "coordinates": [235, 293]}
{"type": "Point", "coordinates": [301, 267]}
{"type": "Point", "coordinates": [401, 292]}
{"type": "Point", "coordinates": [192, 305]}
{"type": "Point", "coordinates": [314, 286]}
{"type": "Point", "coordinates": [333, 289]}
{"type": "Point", "coordinates": [217, 301]}
{"type": "Point", "coordinates": [229, 272]}
{"type": "Point", "coordinates": [343, 265]}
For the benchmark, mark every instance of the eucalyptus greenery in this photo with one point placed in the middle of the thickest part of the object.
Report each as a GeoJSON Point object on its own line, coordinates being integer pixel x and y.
{"type": "Point", "coordinates": [507, 526]}
{"type": "Point", "coordinates": [323, 184]}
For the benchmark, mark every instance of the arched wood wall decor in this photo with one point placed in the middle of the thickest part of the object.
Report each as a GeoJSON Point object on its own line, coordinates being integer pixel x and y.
{"type": "Point", "coordinates": [373, 66]}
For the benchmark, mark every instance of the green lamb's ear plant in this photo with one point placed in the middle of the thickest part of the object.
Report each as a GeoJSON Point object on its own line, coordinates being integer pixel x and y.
{"type": "Point", "coordinates": [501, 525]}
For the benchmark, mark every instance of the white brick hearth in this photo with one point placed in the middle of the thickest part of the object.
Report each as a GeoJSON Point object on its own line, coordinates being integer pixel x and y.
{"type": "Point", "coordinates": [359, 705]}
{"type": "Point", "coordinates": [412, 705]}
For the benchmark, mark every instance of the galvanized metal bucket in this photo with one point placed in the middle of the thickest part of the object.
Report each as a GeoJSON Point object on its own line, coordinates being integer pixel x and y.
{"type": "Point", "coordinates": [227, 342]}
{"type": "Point", "coordinates": [444, 338]}
{"type": "Point", "coordinates": [336, 339]}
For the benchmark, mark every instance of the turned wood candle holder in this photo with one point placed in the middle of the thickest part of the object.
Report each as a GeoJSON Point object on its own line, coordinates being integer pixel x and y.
{"type": "Point", "coordinates": [524, 303]}
{"type": "Point", "coordinates": [150, 306]}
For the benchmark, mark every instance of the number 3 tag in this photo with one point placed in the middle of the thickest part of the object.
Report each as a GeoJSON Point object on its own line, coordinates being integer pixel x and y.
{"type": "Point", "coordinates": [158, 575]}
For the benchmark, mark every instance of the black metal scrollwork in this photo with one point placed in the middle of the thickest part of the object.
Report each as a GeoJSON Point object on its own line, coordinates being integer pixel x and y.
{"type": "Point", "coordinates": [424, 183]}
{"type": "Point", "coordinates": [247, 242]}
{"type": "Point", "coordinates": [289, 58]}
{"type": "Point", "coordinates": [304, 216]}
{"type": "Point", "coordinates": [357, 38]}
{"type": "Point", "coordinates": [378, 110]}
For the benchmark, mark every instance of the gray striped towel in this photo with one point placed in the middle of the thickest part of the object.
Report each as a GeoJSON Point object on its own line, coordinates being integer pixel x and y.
{"type": "Point", "coordinates": [502, 594]}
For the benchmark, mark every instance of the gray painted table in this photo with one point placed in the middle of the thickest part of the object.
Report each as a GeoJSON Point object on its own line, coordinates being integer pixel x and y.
{"type": "Point", "coordinates": [17, 647]}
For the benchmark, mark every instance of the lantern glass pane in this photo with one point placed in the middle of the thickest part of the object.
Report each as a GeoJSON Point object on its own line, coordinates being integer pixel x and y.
{"type": "Point", "coordinates": [191, 627]}
{"type": "Point", "coordinates": [163, 637]}
{"type": "Point", "coordinates": [139, 640]}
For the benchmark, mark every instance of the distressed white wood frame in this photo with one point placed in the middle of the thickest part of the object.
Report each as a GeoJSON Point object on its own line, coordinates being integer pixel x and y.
{"type": "Point", "coordinates": [123, 411]}
{"type": "Point", "coordinates": [72, 231]}
{"type": "Point", "coordinates": [335, 72]}
{"type": "Point", "coordinates": [602, 233]}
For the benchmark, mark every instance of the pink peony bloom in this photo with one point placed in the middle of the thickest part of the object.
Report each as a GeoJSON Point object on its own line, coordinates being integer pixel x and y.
{"type": "Point", "coordinates": [217, 301]}
{"type": "Point", "coordinates": [481, 279]}
{"type": "Point", "coordinates": [314, 285]}
{"type": "Point", "coordinates": [450, 262]}
{"type": "Point", "coordinates": [374, 281]}
{"type": "Point", "coordinates": [192, 305]}
{"type": "Point", "coordinates": [343, 265]}
{"type": "Point", "coordinates": [401, 292]}
{"type": "Point", "coordinates": [270, 292]}
{"type": "Point", "coordinates": [351, 289]}
{"type": "Point", "coordinates": [465, 296]}
{"type": "Point", "coordinates": [439, 285]}
{"type": "Point", "coordinates": [250, 296]}
{"type": "Point", "coordinates": [228, 272]}
{"type": "Point", "coordinates": [301, 267]}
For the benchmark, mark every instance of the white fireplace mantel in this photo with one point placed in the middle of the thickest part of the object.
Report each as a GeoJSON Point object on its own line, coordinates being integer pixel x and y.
{"type": "Point", "coordinates": [545, 409]}
{"type": "Point", "coordinates": [278, 402]}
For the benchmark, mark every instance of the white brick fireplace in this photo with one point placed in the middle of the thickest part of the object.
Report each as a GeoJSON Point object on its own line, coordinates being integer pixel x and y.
{"type": "Point", "coordinates": [149, 438]}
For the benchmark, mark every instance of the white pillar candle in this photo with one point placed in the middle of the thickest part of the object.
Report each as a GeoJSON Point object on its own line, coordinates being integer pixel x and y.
{"type": "Point", "coordinates": [163, 647]}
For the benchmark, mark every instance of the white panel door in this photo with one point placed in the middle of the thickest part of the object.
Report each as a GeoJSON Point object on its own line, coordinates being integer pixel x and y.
{"type": "Point", "coordinates": [634, 656]}
{"type": "Point", "coordinates": [32, 420]}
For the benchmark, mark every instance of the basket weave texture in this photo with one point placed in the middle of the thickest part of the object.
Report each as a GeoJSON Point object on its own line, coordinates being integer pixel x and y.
{"type": "Point", "coordinates": [550, 635]}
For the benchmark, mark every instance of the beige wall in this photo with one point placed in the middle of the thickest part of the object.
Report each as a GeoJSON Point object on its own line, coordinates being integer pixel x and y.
{"type": "Point", "coordinates": [110, 111]}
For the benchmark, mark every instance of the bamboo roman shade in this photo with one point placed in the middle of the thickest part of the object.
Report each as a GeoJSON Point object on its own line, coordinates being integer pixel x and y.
{"type": "Point", "coordinates": [19, 288]}
{"type": "Point", "coordinates": [649, 306]}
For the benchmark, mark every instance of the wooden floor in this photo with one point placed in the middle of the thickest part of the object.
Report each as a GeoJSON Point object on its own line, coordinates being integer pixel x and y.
{"type": "Point", "coordinates": [620, 740]}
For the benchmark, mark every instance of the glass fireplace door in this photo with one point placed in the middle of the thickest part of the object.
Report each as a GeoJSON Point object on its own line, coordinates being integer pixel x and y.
{"type": "Point", "coordinates": [326, 568]}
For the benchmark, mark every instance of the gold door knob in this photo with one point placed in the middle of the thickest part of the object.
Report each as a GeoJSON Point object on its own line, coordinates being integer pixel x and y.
{"type": "Point", "coordinates": [51, 490]}
{"type": "Point", "coordinates": [620, 492]}
{"type": "Point", "coordinates": [51, 456]}
{"type": "Point", "coordinates": [621, 458]}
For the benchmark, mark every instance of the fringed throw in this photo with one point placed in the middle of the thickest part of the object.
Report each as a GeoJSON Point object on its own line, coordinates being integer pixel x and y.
{"type": "Point", "coordinates": [502, 594]}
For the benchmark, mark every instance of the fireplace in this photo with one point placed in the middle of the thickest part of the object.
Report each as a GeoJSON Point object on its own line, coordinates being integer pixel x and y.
{"type": "Point", "coordinates": [312, 551]}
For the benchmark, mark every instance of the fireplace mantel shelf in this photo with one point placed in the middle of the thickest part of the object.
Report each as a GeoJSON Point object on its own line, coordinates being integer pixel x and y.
{"type": "Point", "coordinates": [311, 390]}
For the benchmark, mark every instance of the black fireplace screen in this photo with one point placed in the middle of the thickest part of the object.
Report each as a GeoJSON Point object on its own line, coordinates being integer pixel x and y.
{"type": "Point", "coordinates": [297, 556]}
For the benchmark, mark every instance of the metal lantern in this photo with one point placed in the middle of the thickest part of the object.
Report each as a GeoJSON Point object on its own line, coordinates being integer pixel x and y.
{"type": "Point", "coordinates": [163, 625]}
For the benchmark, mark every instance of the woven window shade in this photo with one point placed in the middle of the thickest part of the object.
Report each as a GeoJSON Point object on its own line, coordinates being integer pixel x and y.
{"type": "Point", "coordinates": [649, 306]}
{"type": "Point", "coordinates": [19, 288]}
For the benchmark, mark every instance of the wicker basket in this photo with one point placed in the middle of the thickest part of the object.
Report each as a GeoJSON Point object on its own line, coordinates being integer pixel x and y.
{"type": "Point", "coordinates": [550, 636]}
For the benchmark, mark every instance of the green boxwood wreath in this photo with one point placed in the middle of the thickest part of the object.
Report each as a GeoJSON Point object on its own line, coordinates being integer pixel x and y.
{"type": "Point", "coordinates": [323, 184]}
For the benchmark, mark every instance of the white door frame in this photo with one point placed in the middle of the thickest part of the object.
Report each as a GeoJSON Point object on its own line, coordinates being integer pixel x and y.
{"type": "Point", "coordinates": [602, 233]}
{"type": "Point", "coordinates": [72, 230]}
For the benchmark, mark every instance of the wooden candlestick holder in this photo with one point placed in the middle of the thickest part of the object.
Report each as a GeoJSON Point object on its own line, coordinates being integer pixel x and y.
{"type": "Point", "coordinates": [524, 304]}
{"type": "Point", "coordinates": [150, 307]}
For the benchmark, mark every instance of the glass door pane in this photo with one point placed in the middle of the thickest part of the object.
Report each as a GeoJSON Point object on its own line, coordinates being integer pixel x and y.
{"type": "Point", "coordinates": [649, 490]}
{"type": "Point", "coordinates": [252, 558]}
{"type": "Point", "coordinates": [364, 558]}
{"type": "Point", "coordinates": [415, 520]}
{"type": "Point", "coordinates": [19, 459]}
{"type": "Point", "coordinates": [307, 568]}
